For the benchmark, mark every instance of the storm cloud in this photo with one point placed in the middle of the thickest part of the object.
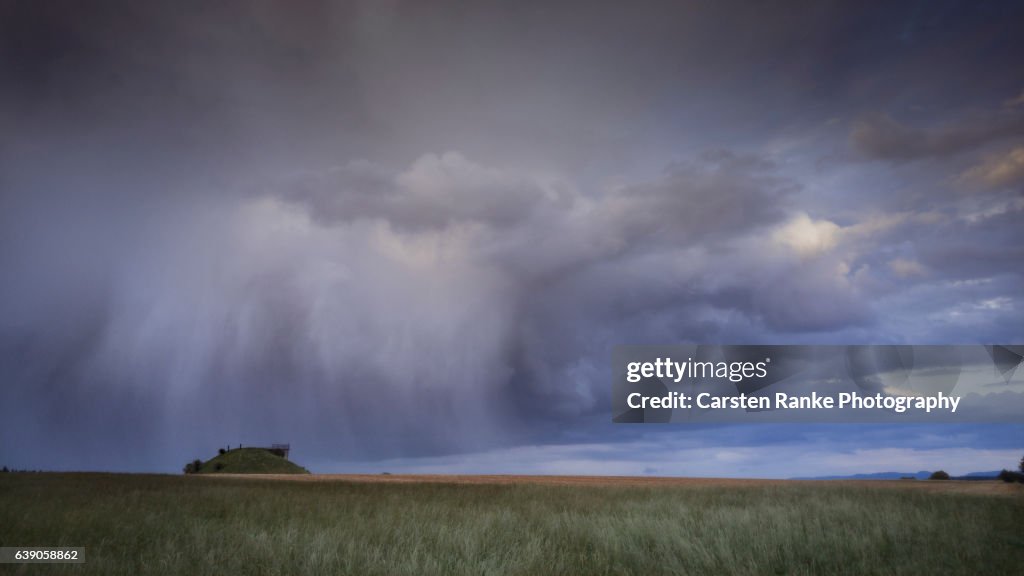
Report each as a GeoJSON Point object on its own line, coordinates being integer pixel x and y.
{"type": "Point", "coordinates": [382, 230]}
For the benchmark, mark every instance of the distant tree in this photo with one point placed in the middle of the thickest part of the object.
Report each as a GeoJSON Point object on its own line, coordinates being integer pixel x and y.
{"type": "Point", "coordinates": [1021, 465]}
{"type": "Point", "coordinates": [193, 466]}
{"type": "Point", "coordinates": [939, 475]}
{"type": "Point", "coordinates": [221, 451]}
{"type": "Point", "coordinates": [6, 470]}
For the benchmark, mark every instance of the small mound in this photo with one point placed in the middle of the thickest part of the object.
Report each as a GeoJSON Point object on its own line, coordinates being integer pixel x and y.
{"type": "Point", "coordinates": [250, 461]}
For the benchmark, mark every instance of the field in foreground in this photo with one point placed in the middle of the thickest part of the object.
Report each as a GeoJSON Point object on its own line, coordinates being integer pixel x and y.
{"type": "Point", "coordinates": [141, 524]}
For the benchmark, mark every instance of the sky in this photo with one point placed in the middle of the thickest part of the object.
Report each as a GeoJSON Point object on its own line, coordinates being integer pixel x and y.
{"type": "Point", "coordinates": [406, 236]}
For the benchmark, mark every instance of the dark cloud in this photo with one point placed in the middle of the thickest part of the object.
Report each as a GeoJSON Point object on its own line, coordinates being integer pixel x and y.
{"type": "Point", "coordinates": [879, 136]}
{"type": "Point", "coordinates": [720, 196]}
{"type": "Point", "coordinates": [394, 229]}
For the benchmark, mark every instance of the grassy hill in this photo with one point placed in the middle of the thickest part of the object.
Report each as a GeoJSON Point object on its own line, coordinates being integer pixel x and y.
{"type": "Point", "coordinates": [250, 461]}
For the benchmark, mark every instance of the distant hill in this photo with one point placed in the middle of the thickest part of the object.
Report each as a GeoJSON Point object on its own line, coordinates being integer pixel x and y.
{"type": "Point", "coordinates": [992, 474]}
{"type": "Point", "coordinates": [250, 461]}
{"type": "Point", "coordinates": [920, 475]}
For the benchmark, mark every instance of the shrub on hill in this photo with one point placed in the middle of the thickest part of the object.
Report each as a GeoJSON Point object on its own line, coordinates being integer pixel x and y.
{"type": "Point", "coordinates": [939, 475]}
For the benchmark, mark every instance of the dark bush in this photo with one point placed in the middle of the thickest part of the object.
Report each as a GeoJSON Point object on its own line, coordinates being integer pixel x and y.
{"type": "Point", "coordinates": [939, 475]}
{"type": "Point", "coordinates": [5, 470]}
{"type": "Point", "coordinates": [1021, 466]}
{"type": "Point", "coordinates": [222, 451]}
{"type": "Point", "coordinates": [218, 466]}
{"type": "Point", "coordinates": [1010, 476]}
{"type": "Point", "coordinates": [188, 469]}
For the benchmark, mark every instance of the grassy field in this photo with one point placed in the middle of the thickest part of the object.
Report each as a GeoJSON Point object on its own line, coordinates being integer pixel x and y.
{"type": "Point", "coordinates": [168, 525]}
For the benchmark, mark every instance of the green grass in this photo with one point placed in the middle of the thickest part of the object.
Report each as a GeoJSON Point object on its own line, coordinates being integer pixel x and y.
{"type": "Point", "coordinates": [250, 461]}
{"type": "Point", "coordinates": [196, 525]}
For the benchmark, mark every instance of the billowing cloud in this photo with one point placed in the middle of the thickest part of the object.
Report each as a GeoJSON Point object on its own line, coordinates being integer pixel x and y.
{"type": "Point", "coordinates": [434, 192]}
{"type": "Point", "coordinates": [808, 237]}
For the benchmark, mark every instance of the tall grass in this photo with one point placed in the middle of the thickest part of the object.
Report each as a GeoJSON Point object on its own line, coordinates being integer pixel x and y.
{"type": "Point", "coordinates": [136, 524]}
